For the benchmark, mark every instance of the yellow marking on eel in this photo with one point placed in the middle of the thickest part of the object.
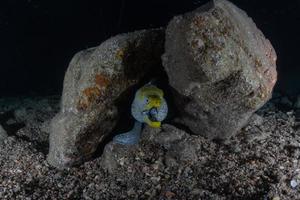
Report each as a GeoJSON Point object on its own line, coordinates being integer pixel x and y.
{"type": "Point", "coordinates": [152, 124]}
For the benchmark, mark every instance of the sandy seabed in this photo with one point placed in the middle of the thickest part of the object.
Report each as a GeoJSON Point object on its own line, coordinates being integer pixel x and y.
{"type": "Point", "coordinates": [261, 162]}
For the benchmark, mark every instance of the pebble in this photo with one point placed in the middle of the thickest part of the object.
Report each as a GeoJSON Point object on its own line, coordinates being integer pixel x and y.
{"type": "Point", "coordinates": [276, 198]}
{"type": "Point", "coordinates": [11, 121]}
{"type": "Point", "coordinates": [257, 120]}
{"type": "Point", "coordinates": [170, 194]}
{"type": "Point", "coordinates": [131, 192]}
{"type": "Point", "coordinates": [155, 179]}
{"type": "Point", "coordinates": [196, 191]}
{"type": "Point", "coordinates": [294, 183]}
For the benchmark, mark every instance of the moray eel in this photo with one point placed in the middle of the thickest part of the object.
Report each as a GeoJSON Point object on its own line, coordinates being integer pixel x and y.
{"type": "Point", "coordinates": [149, 107]}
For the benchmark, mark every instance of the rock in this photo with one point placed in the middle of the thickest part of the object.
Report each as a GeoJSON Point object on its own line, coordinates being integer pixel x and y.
{"type": "Point", "coordinates": [221, 67]}
{"type": "Point", "coordinates": [7, 104]}
{"type": "Point", "coordinates": [31, 118]}
{"type": "Point", "coordinates": [179, 150]}
{"type": "Point", "coordinates": [256, 120]}
{"type": "Point", "coordinates": [109, 159]}
{"type": "Point", "coordinates": [184, 152]}
{"type": "Point", "coordinates": [181, 147]}
{"type": "Point", "coordinates": [28, 117]}
{"type": "Point", "coordinates": [294, 184]}
{"type": "Point", "coordinates": [286, 102]}
{"type": "Point", "coordinates": [3, 134]}
{"type": "Point", "coordinates": [97, 80]}
{"type": "Point", "coordinates": [165, 136]}
{"type": "Point", "coordinates": [297, 103]}
{"type": "Point", "coordinates": [115, 156]}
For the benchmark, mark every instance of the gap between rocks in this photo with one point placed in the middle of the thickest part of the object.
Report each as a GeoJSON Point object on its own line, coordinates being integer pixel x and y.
{"type": "Point", "coordinates": [123, 103]}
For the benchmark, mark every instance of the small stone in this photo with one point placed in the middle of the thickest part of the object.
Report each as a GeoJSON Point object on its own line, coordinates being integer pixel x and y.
{"type": "Point", "coordinates": [166, 136]}
{"type": "Point", "coordinates": [170, 194]}
{"type": "Point", "coordinates": [276, 198]}
{"type": "Point", "coordinates": [11, 121]}
{"type": "Point", "coordinates": [158, 187]}
{"type": "Point", "coordinates": [131, 192]}
{"type": "Point", "coordinates": [297, 103]}
{"type": "Point", "coordinates": [155, 179]}
{"type": "Point", "coordinates": [21, 114]}
{"type": "Point", "coordinates": [97, 178]}
{"type": "Point", "coordinates": [294, 183]}
{"type": "Point", "coordinates": [281, 167]}
{"type": "Point", "coordinates": [91, 185]}
{"type": "Point", "coordinates": [196, 191]}
{"type": "Point", "coordinates": [257, 120]}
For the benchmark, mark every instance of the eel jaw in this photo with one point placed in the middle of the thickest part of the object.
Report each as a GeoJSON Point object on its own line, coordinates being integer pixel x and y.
{"type": "Point", "coordinates": [154, 124]}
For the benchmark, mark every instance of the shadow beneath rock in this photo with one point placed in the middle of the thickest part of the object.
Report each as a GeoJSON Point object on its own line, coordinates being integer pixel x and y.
{"type": "Point", "coordinates": [125, 122]}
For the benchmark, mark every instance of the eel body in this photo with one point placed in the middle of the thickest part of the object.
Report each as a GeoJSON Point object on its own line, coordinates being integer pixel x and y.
{"type": "Point", "coordinates": [149, 107]}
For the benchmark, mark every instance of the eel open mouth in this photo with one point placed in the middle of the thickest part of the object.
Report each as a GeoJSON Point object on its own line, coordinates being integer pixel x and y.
{"type": "Point", "coordinates": [153, 112]}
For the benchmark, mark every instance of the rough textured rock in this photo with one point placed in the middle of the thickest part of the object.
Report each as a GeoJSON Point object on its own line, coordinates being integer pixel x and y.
{"type": "Point", "coordinates": [221, 67]}
{"type": "Point", "coordinates": [179, 146]}
{"type": "Point", "coordinates": [3, 134]}
{"type": "Point", "coordinates": [94, 83]}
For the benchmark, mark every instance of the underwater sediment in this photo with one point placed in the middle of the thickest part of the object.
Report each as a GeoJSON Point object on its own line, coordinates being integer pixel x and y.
{"type": "Point", "coordinates": [260, 162]}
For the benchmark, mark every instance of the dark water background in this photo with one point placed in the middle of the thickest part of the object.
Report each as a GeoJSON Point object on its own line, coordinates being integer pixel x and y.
{"type": "Point", "coordinates": [39, 37]}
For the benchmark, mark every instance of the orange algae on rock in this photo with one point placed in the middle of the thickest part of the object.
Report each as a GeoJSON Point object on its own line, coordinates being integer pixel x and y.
{"type": "Point", "coordinates": [90, 95]}
{"type": "Point", "coordinates": [101, 81]}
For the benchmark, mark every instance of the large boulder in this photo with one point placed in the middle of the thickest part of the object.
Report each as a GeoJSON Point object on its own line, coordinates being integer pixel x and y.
{"type": "Point", "coordinates": [94, 83]}
{"type": "Point", "coordinates": [221, 67]}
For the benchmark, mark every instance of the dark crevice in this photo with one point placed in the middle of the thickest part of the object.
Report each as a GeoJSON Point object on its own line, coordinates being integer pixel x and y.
{"type": "Point", "coordinates": [125, 122]}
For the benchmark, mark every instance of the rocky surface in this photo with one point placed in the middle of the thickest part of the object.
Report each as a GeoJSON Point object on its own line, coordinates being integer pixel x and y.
{"type": "Point", "coordinates": [3, 134]}
{"type": "Point", "coordinates": [29, 117]}
{"type": "Point", "coordinates": [260, 162]}
{"type": "Point", "coordinates": [221, 66]}
{"type": "Point", "coordinates": [95, 84]}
